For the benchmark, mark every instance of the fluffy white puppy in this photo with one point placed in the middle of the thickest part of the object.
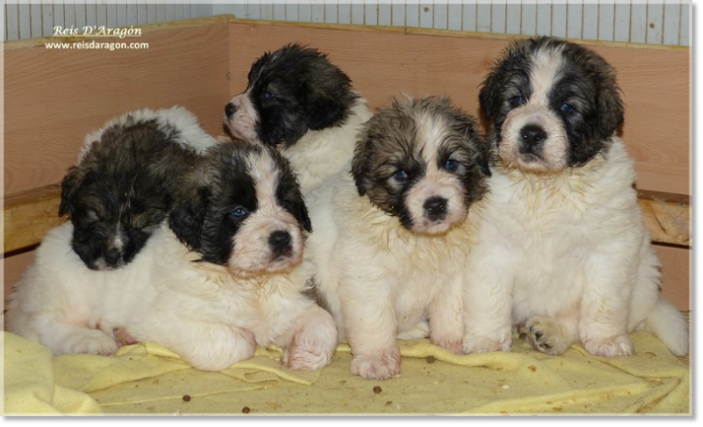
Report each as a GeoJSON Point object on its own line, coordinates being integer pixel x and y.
{"type": "Point", "coordinates": [562, 248]}
{"type": "Point", "coordinates": [212, 283]}
{"type": "Point", "coordinates": [391, 237]}
{"type": "Point", "coordinates": [298, 101]}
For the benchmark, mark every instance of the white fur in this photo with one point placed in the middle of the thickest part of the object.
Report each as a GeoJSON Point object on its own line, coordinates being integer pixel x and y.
{"type": "Point", "coordinates": [567, 256]}
{"type": "Point", "coordinates": [382, 281]}
{"type": "Point", "coordinates": [199, 310]}
{"type": "Point", "coordinates": [177, 118]}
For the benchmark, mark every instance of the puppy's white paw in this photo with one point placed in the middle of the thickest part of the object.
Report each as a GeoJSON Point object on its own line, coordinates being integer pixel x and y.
{"type": "Point", "coordinates": [307, 353]}
{"type": "Point", "coordinates": [421, 330]}
{"type": "Point", "coordinates": [379, 366]}
{"type": "Point", "coordinates": [545, 335]}
{"type": "Point", "coordinates": [481, 344]}
{"type": "Point", "coordinates": [453, 344]}
{"type": "Point", "coordinates": [89, 341]}
{"type": "Point", "coordinates": [619, 345]}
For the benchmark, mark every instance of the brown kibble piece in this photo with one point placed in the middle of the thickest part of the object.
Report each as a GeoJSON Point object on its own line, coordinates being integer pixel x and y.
{"type": "Point", "coordinates": [389, 402]}
{"type": "Point", "coordinates": [430, 359]}
{"type": "Point", "coordinates": [533, 368]}
{"type": "Point", "coordinates": [377, 389]}
{"type": "Point", "coordinates": [186, 398]}
{"type": "Point", "coordinates": [245, 410]}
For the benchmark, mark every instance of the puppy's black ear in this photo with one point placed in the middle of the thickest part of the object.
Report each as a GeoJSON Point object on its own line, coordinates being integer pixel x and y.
{"type": "Point", "coordinates": [289, 196]}
{"type": "Point", "coordinates": [327, 97]}
{"type": "Point", "coordinates": [69, 185]}
{"type": "Point", "coordinates": [490, 92]}
{"type": "Point", "coordinates": [361, 162]}
{"type": "Point", "coordinates": [611, 112]}
{"type": "Point", "coordinates": [188, 215]}
{"type": "Point", "coordinates": [300, 212]}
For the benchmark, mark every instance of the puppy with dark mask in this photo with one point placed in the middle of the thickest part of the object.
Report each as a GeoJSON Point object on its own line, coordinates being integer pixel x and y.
{"type": "Point", "coordinates": [562, 249]}
{"type": "Point", "coordinates": [122, 187]}
{"type": "Point", "coordinates": [393, 236]}
{"type": "Point", "coordinates": [299, 102]}
{"type": "Point", "coordinates": [220, 277]}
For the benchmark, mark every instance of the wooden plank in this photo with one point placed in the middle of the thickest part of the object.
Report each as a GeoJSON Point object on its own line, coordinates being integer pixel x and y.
{"type": "Point", "coordinates": [544, 19]}
{"type": "Point", "coordinates": [84, 88]}
{"type": "Point", "coordinates": [590, 22]}
{"type": "Point", "coordinates": [638, 23]}
{"type": "Point", "coordinates": [622, 22]}
{"type": "Point", "coordinates": [655, 22]}
{"type": "Point", "coordinates": [676, 275]}
{"type": "Point", "coordinates": [672, 15]}
{"type": "Point", "coordinates": [384, 62]}
{"type": "Point", "coordinates": [559, 19]}
{"type": "Point", "coordinates": [574, 19]}
{"type": "Point", "coordinates": [606, 22]}
{"type": "Point", "coordinates": [13, 267]}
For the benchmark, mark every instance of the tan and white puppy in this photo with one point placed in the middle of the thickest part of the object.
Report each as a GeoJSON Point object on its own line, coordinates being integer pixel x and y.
{"type": "Point", "coordinates": [562, 247]}
{"type": "Point", "coordinates": [212, 283]}
{"type": "Point", "coordinates": [391, 238]}
{"type": "Point", "coordinates": [299, 102]}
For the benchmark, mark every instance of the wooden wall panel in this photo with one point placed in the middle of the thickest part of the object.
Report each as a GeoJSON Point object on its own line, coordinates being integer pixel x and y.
{"type": "Point", "coordinates": [54, 97]}
{"type": "Point", "coordinates": [676, 275]}
{"type": "Point", "coordinates": [655, 81]}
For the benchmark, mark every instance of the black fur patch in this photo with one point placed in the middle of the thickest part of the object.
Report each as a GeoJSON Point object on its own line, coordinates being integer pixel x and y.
{"type": "Point", "coordinates": [585, 81]}
{"type": "Point", "coordinates": [124, 185]}
{"type": "Point", "coordinates": [296, 89]}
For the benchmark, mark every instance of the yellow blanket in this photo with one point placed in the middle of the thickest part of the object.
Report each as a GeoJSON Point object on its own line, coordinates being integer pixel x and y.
{"type": "Point", "coordinates": [149, 379]}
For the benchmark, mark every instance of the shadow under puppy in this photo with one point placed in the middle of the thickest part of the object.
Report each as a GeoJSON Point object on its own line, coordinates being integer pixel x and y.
{"type": "Point", "coordinates": [212, 283]}
{"type": "Point", "coordinates": [122, 187]}
{"type": "Point", "coordinates": [392, 237]}
{"type": "Point", "coordinates": [562, 247]}
{"type": "Point", "coordinates": [298, 101]}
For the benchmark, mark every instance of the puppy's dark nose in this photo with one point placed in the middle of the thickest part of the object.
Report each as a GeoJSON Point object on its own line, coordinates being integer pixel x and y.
{"type": "Point", "coordinates": [230, 109]}
{"type": "Point", "coordinates": [112, 256]}
{"type": "Point", "coordinates": [435, 208]}
{"type": "Point", "coordinates": [532, 136]}
{"type": "Point", "coordinates": [279, 241]}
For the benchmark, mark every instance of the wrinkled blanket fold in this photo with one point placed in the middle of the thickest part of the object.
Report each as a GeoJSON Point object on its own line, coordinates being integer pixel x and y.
{"type": "Point", "coordinates": [149, 379]}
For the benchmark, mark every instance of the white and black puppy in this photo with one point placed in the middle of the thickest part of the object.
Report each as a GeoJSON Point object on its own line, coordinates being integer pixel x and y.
{"type": "Point", "coordinates": [301, 103]}
{"type": "Point", "coordinates": [213, 282]}
{"type": "Point", "coordinates": [122, 187]}
{"type": "Point", "coordinates": [562, 248]}
{"type": "Point", "coordinates": [392, 237]}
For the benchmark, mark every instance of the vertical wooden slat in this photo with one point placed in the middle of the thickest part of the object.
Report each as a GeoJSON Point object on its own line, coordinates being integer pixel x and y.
{"type": "Point", "coordinates": [81, 15]}
{"type": "Point", "coordinates": [498, 17]}
{"type": "Point", "coordinates": [590, 22]}
{"type": "Point", "coordinates": [101, 12]}
{"type": "Point", "coordinates": [684, 31]}
{"type": "Point", "coordinates": [47, 16]}
{"type": "Point", "coordinates": [116, 15]}
{"type": "Point", "coordinates": [454, 16]}
{"type": "Point", "coordinates": [439, 19]}
{"type": "Point", "coordinates": [24, 21]}
{"type": "Point", "coordinates": [622, 22]}
{"type": "Point", "coordinates": [35, 17]}
{"type": "Point", "coordinates": [253, 11]}
{"type": "Point", "coordinates": [398, 14]}
{"type": "Point", "coordinates": [318, 11]}
{"type": "Point", "coordinates": [483, 18]}
{"type": "Point", "coordinates": [162, 12]}
{"type": "Point", "coordinates": [384, 14]}
{"type": "Point", "coordinates": [529, 19]}
{"type": "Point", "coordinates": [559, 20]}
{"type": "Point", "coordinates": [344, 13]}
{"type": "Point", "coordinates": [278, 11]}
{"type": "Point", "coordinates": [412, 15]}
{"type": "Point", "coordinates": [12, 28]}
{"type": "Point", "coordinates": [305, 12]}
{"type": "Point", "coordinates": [426, 13]}
{"type": "Point", "coordinates": [151, 17]}
{"type": "Point", "coordinates": [330, 12]}
{"type": "Point", "coordinates": [266, 11]}
{"type": "Point", "coordinates": [357, 13]}
{"type": "Point", "coordinates": [513, 15]}
{"type": "Point", "coordinates": [179, 12]}
{"type": "Point", "coordinates": [672, 24]}
{"type": "Point", "coordinates": [131, 15]}
{"type": "Point", "coordinates": [655, 20]}
{"type": "Point", "coordinates": [544, 19]}
{"type": "Point", "coordinates": [292, 12]}
{"type": "Point", "coordinates": [606, 21]}
{"type": "Point", "coordinates": [574, 19]}
{"type": "Point", "coordinates": [91, 16]}
{"type": "Point", "coordinates": [468, 17]}
{"type": "Point", "coordinates": [638, 23]}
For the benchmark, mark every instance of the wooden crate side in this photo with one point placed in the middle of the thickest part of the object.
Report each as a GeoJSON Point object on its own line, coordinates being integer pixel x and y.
{"type": "Point", "coordinates": [655, 82]}
{"type": "Point", "coordinates": [676, 275]}
{"type": "Point", "coordinates": [54, 97]}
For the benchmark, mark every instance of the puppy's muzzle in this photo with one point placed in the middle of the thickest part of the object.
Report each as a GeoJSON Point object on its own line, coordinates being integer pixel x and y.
{"type": "Point", "coordinates": [230, 109]}
{"type": "Point", "coordinates": [532, 139]}
{"type": "Point", "coordinates": [435, 208]}
{"type": "Point", "coordinates": [113, 256]}
{"type": "Point", "coordinates": [280, 243]}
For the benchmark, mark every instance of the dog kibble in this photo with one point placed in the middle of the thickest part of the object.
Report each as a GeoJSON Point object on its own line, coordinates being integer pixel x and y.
{"type": "Point", "coordinates": [430, 359]}
{"type": "Point", "coordinates": [186, 398]}
{"type": "Point", "coordinates": [377, 389]}
{"type": "Point", "coordinates": [245, 410]}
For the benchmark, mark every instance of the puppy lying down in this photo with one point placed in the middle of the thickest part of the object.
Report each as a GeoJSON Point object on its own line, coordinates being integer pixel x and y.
{"type": "Point", "coordinates": [213, 282]}
{"type": "Point", "coordinates": [122, 187]}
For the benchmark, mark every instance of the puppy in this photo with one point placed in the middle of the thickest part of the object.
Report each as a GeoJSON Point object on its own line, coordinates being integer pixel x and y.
{"type": "Point", "coordinates": [213, 282]}
{"type": "Point", "coordinates": [562, 247]}
{"type": "Point", "coordinates": [392, 236]}
{"type": "Point", "coordinates": [122, 187]}
{"type": "Point", "coordinates": [299, 102]}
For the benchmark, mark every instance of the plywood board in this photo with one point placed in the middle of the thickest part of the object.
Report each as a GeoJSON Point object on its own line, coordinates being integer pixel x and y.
{"type": "Point", "coordinates": [382, 63]}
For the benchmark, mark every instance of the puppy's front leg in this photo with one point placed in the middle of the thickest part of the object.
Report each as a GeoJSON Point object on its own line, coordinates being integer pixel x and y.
{"type": "Point", "coordinates": [446, 318]}
{"type": "Point", "coordinates": [488, 302]}
{"type": "Point", "coordinates": [313, 340]}
{"type": "Point", "coordinates": [605, 306]}
{"type": "Point", "coordinates": [371, 329]}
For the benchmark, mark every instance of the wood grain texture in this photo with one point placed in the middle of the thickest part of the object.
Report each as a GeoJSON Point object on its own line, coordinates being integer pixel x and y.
{"type": "Point", "coordinates": [676, 275]}
{"type": "Point", "coordinates": [382, 63]}
{"type": "Point", "coordinates": [54, 97]}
